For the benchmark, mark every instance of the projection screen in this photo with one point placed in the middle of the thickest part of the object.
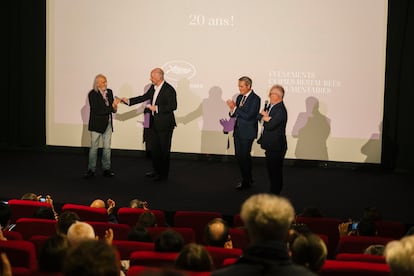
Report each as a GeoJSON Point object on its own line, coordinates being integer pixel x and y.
{"type": "Point", "coordinates": [328, 54]}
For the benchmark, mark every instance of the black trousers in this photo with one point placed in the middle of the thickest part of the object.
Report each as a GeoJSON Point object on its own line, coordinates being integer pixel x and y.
{"type": "Point", "coordinates": [242, 148]}
{"type": "Point", "coordinates": [274, 164]}
{"type": "Point", "coordinates": [160, 149]}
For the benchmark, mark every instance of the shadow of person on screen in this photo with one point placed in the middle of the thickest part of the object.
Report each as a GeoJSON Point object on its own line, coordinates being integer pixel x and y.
{"type": "Point", "coordinates": [211, 110]}
{"type": "Point", "coordinates": [85, 137]}
{"type": "Point", "coordinates": [311, 130]}
{"type": "Point", "coordinates": [372, 148]}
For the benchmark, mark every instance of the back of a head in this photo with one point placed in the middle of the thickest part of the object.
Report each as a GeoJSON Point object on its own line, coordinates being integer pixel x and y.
{"type": "Point", "coordinates": [29, 196]}
{"type": "Point", "coordinates": [44, 213]}
{"type": "Point", "coordinates": [53, 253]}
{"type": "Point", "coordinates": [168, 241]}
{"type": "Point", "coordinates": [5, 215]}
{"type": "Point", "coordinates": [98, 203]}
{"type": "Point", "coordinates": [140, 234]}
{"type": "Point", "coordinates": [309, 250]}
{"type": "Point", "coordinates": [147, 219]}
{"type": "Point", "coordinates": [80, 231]}
{"type": "Point", "coordinates": [375, 249]}
{"type": "Point", "coordinates": [216, 232]}
{"type": "Point", "coordinates": [399, 256]}
{"type": "Point", "coordinates": [66, 219]}
{"type": "Point", "coordinates": [91, 258]}
{"type": "Point", "coordinates": [194, 257]}
{"type": "Point", "coordinates": [367, 228]}
{"type": "Point", "coordinates": [267, 217]}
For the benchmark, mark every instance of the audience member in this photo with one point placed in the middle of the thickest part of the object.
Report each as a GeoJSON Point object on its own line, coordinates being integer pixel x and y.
{"type": "Point", "coordinates": [53, 253]}
{"type": "Point", "coordinates": [363, 228]}
{"type": "Point", "coordinates": [91, 258]}
{"type": "Point", "coordinates": [66, 219]}
{"type": "Point", "coordinates": [267, 219]}
{"type": "Point", "coordinates": [399, 256]}
{"type": "Point", "coordinates": [168, 241]}
{"type": "Point", "coordinates": [30, 196]}
{"type": "Point", "coordinates": [47, 199]}
{"type": "Point", "coordinates": [80, 231]}
{"type": "Point", "coordinates": [5, 216]}
{"type": "Point", "coordinates": [308, 250]}
{"type": "Point", "coordinates": [217, 233]}
{"type": "Point", "coordinates": [5, 264]}
{"type": "Point", "coordinates": [139, 231]}
{"type": "Point", "coordinates": [136, 203]}
{"type": "Point", "coordinates": [371, 214]}
{"type": "Point", "coordinates": [375, 249]}
{"type": "Point", "coordinates": [44, 213]}
{"type": "Point", "coordinates": [110, 208]}
{"type": "Point", "coordinates": [194, 257]}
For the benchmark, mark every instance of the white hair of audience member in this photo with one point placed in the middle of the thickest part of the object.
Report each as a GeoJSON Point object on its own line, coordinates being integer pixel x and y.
{"type": "Point", "coordinates": [399, 255]}
{"type": "Point", "coordinates": [267, 217]}
{"type": "Point", "coordinates": [80, 231]}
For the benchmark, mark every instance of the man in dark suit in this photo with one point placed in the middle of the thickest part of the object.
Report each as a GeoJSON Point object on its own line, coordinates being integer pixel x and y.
{"type": "Point", "coordinates": [273, 139]}
{"type": "Point", "coordinates": [102, 105]}
{"type": "Point", "coordinates": [163, 102]}
{"type": "Point", "coordinates": [245, 110]}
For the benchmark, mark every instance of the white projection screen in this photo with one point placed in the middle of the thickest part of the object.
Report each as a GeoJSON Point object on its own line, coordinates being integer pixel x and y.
{"type": "Point", "coordinates": [328, 54]}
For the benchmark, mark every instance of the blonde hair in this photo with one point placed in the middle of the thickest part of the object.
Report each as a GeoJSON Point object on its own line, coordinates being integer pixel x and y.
{"type": "Point", "coordinates": [80, 231]}
{"type": "Point", "coordinates": [400, 256]}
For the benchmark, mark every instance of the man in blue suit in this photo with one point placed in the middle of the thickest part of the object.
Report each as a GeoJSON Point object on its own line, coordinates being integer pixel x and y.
{"type": "Point", "coordinates": [273, 139]}
{"type": "Point", "coordinates": [245, 110]}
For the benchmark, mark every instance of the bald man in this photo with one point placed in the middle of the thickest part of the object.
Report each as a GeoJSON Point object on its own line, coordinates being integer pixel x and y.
{"type": "Point", "coordinates": [163, 103]}
{"type": "Point", "coordinates": [217, 233]}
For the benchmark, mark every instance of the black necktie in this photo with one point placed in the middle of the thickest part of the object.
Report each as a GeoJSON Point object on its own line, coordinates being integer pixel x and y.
{"type": "Point", "coordinates": [242, 101]}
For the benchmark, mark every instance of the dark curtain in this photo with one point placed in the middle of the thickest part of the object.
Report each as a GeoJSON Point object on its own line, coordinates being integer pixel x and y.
{"type": "Point", "coordinates": [23, 93]}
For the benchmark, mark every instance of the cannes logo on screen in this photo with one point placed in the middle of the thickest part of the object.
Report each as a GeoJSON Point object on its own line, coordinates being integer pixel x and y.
{"type": "Point", "coordinates": [176, 70]}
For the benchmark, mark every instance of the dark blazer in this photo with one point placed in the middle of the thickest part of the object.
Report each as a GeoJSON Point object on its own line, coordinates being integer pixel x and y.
{"type": "Point", "coordinates": [274, 133]}
{"type": "Point", "coordinates": [246, 124]}
{"type": "Point", "coordinates": [100, 113]}
{"type": "Point", "coordinates": [166, 101]}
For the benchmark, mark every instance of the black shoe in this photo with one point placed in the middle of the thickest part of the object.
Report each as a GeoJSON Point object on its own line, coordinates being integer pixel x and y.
{"type": "Point", "coordinates": [159, 178]}
{"type": "Point", "coordinates": [89, 174]}
{"type": "Point", "coordinates": [108, 173]}
{"type": "Point", "coordinates": [150, 174]}
{"type": "Point", "coordinates": [243, 186]}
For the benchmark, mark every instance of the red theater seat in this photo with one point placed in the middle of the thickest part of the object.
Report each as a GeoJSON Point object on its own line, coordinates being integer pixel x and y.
{"type": "Point", "coordinates": [187, 233]}
{"type": "Point", "coordinates": [121, 231]}
{"type": "Point", "coordinates": [239, 237]}
{"type": "Point", "coordinates": [87, 213]}
{"type": "Point", "coordinates": [392, 229]}
{"type": "Point", "coordinates": [358, 244]}
{"type": "Point", "coordinates": [339, 268]}
{"type": "Point", "coordinates": [22, 256]}
{"type": "Point", "coordinates": [125, 248]}
{"type": "Point", "coordinates": [31, 226]}
{"type": "Point", "coordinates": [152, 258]}
{"type": "Point", "coordinates": [219, 254]}
{"type": "Point", "coordinates": [12, 235]}
{"type": "Point", "coordinates": [237, 221]}
{"type": "Point", "coordinates": [196, 220]}
{"type": "Point", "coordinates": [357, 257]}
{"type": "Point", "coordinates": [24, 208]}
{"type": "Point", "coordinates": [130, 215]}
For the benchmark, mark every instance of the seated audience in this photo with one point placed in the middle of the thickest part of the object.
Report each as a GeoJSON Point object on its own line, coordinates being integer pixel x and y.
{"type": "Point", "coordinates": [47, 199]}
{"type": "Point", "coordinates": [217, 233]}
{"type": "Point", "coordinates": [81, 231]}
{"type": "Point", "coordinates": [110, 208]}
{"type": "Point", "coordinates": [308, 250]}
{"type": "Point", "coordinates": [91, 257]}
{"type": "Point", "coordinates": [53, 253]}
{"type": "Point", "coordinates": [194, 257]}
{"type": "Point", "coordinates": [45, 213]}
{"type": "Point", "coordinates": [66, 219]}
{"type": "Point", "coordinates": [399, 256]}
{"type": "Point", "coordinates": [139, 231]}
{"type": "Point", "coordinates": [375, 249]}
{"type": "Point", "coordinates": [136, 203]}
{"type": "Point", "coordinates": [5, 216]}
{"type": "Point", "coordinates": [364, 228]}
{"type": "Point", "coordinates": [5, 265]}
{"type": "Point", "coordinates": [31, 196]}
{"type": "Point", "coordinates": [168, 241]}
{"type": "Point", "coordinates": [267, 218]}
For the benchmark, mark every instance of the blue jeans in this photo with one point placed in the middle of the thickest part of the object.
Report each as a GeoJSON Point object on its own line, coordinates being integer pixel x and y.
{"type": "Point", "coordinates": [106, 151]}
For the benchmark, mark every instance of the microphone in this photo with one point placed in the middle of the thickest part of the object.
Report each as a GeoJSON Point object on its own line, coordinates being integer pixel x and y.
{"type": "Point", "coordinates": [266, 105]}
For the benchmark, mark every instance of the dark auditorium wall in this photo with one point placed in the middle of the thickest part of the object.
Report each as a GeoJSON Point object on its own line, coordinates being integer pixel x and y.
{"type": "Point", "coordinates": [23, 91]}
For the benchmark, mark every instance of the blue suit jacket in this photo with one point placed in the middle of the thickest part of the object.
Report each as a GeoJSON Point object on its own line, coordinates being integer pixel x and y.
{"type": "Point", "coordinates": [246, 124]}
